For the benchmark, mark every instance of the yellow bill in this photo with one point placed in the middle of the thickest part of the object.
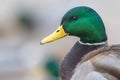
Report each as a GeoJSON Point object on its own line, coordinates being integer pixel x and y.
{"type": "Point", "coordinates": [59, 33]}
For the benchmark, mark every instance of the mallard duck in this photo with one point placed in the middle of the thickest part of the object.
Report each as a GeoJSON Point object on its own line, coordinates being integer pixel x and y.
{"type": "Point", "coordinates": [90, 58]}
{"type": "Point", "coordinates": [52, 67]}
{"type": "Point", "coordinates": [26, 20]}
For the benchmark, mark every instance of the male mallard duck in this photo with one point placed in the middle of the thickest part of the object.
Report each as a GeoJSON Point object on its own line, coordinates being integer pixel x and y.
{"type": "Point", "coordinates": [90, 58]}
{"type": "Point", "coordinates": [52, 67]}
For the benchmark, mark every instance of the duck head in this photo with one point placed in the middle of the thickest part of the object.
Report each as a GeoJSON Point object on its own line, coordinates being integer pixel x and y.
{"type": "Point", "coordinates": [82, 22]}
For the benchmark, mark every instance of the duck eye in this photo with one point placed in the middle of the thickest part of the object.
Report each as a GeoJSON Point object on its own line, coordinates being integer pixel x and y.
{"type": "Point", "coordinates": [74, 18]}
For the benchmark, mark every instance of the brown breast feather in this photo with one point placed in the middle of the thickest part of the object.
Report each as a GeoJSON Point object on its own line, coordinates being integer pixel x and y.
{"type": "Point", "coordinates": [106, 60]}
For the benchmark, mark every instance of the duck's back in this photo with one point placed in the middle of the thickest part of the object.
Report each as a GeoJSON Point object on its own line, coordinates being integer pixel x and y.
{"type": "Point", "coordinates": [100, 64]}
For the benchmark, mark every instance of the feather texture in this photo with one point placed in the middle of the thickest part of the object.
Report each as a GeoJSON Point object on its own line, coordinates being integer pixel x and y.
{"type": "Point", "coordinates": [103, 64]}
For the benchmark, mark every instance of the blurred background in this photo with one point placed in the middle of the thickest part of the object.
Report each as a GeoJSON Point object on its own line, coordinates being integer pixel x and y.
{"type": "Point", "coordinates": [24, 23]}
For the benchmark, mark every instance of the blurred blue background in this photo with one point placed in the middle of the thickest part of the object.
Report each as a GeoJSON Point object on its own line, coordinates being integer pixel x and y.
{"type": "Point", "coordinates": [23, 24]}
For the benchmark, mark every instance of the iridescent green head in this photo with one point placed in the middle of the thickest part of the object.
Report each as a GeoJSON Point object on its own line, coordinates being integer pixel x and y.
{"type": "Point", "coordinates": [85, 23]}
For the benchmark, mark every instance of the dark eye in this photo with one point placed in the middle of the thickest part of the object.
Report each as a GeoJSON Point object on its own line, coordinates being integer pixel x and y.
{"type": "Point", "coordinates": [74, 18]}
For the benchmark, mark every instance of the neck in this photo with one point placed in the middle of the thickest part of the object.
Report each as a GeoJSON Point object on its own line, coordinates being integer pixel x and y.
{"type": "Point", "coordinates": [99, 43]}
{"type": "Point", "coordinates": [93, 37]}
{"type": "Point", "coordinates": [74, 57]}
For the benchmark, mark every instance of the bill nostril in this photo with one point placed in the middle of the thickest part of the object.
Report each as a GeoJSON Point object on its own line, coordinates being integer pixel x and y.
{"type": "Point", "coordinates": [57, 30]}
